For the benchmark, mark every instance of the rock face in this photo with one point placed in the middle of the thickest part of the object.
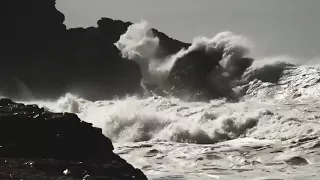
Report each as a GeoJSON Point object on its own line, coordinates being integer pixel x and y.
{"type": "Point", "coordinates": [37, 144]}
{"type": "Point", "coordinates": [32, 39]}
{"type": "Point", "coordinates": [40, 58]}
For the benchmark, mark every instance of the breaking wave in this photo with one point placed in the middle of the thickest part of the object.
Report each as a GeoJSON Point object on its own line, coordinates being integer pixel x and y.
{"type": "Point", "coordinates": [236, 66]}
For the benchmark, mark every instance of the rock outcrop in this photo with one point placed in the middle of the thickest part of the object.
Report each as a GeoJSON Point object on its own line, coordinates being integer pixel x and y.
{"type": "Point", "coordinates": [42, 59]}
{"type": "Point", "coordinates": [37, 144]}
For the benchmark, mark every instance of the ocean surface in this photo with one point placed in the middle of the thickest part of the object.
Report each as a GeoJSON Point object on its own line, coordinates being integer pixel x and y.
{"type": "Point", "coordinates": [270, 133]}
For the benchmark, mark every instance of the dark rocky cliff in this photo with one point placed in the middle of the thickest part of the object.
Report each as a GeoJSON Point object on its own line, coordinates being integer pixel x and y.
{"type": "Point", "coordinates": [37, 144]}
{"type": "Point", "coordinates": [42, 59]}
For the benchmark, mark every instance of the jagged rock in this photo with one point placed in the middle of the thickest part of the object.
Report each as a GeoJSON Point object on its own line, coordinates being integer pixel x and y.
{"type": "Point", "coordinates": [43, 144]}
{"type": "Point", "coordinates": [168, 46]}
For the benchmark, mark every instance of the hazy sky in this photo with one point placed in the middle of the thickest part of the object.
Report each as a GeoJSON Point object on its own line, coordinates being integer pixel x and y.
{"type": "Point", "coordinates": [277, 27]}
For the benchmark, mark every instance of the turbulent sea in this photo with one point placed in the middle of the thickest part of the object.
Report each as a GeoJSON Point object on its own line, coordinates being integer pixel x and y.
{"type": "Point", "coordinates": [270, 133]}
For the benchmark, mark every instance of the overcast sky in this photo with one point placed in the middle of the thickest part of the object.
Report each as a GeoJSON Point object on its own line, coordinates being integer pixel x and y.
{"type": "Point", "coordinates": [277, 27]}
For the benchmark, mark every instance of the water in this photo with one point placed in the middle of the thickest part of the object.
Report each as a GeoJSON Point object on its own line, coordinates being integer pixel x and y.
{"type": "Point", "coordinates": [270, 133]}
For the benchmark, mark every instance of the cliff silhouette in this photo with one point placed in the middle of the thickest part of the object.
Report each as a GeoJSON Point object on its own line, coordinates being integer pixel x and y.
{"type": "Point", "coordinates": [42, 59]}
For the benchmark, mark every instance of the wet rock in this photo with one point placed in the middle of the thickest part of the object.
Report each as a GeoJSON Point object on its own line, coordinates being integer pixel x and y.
{"type": "Point", "coordinates": [297, 161]}
{"type": "Point", "coordinates": [51, 145]}
{"type": "Point", "coordinates": [152, 153]}
{"type": "Point", "coordinates": [200, 159]}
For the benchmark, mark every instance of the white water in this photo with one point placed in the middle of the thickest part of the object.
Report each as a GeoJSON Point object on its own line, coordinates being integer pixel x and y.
{"type": "Point", "coordinates": [256, 138]}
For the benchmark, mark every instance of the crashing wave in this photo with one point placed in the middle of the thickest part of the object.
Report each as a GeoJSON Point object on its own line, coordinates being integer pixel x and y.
{"type": "Point", "coordinates": [209, 67]}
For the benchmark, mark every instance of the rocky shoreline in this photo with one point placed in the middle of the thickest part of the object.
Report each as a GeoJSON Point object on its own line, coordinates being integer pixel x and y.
{"type": "Point", "coordinates": [38, 144]}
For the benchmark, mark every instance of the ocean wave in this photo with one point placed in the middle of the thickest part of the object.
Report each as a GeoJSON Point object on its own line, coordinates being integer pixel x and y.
{"type": "Point", "coordinates": [211, 67]}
